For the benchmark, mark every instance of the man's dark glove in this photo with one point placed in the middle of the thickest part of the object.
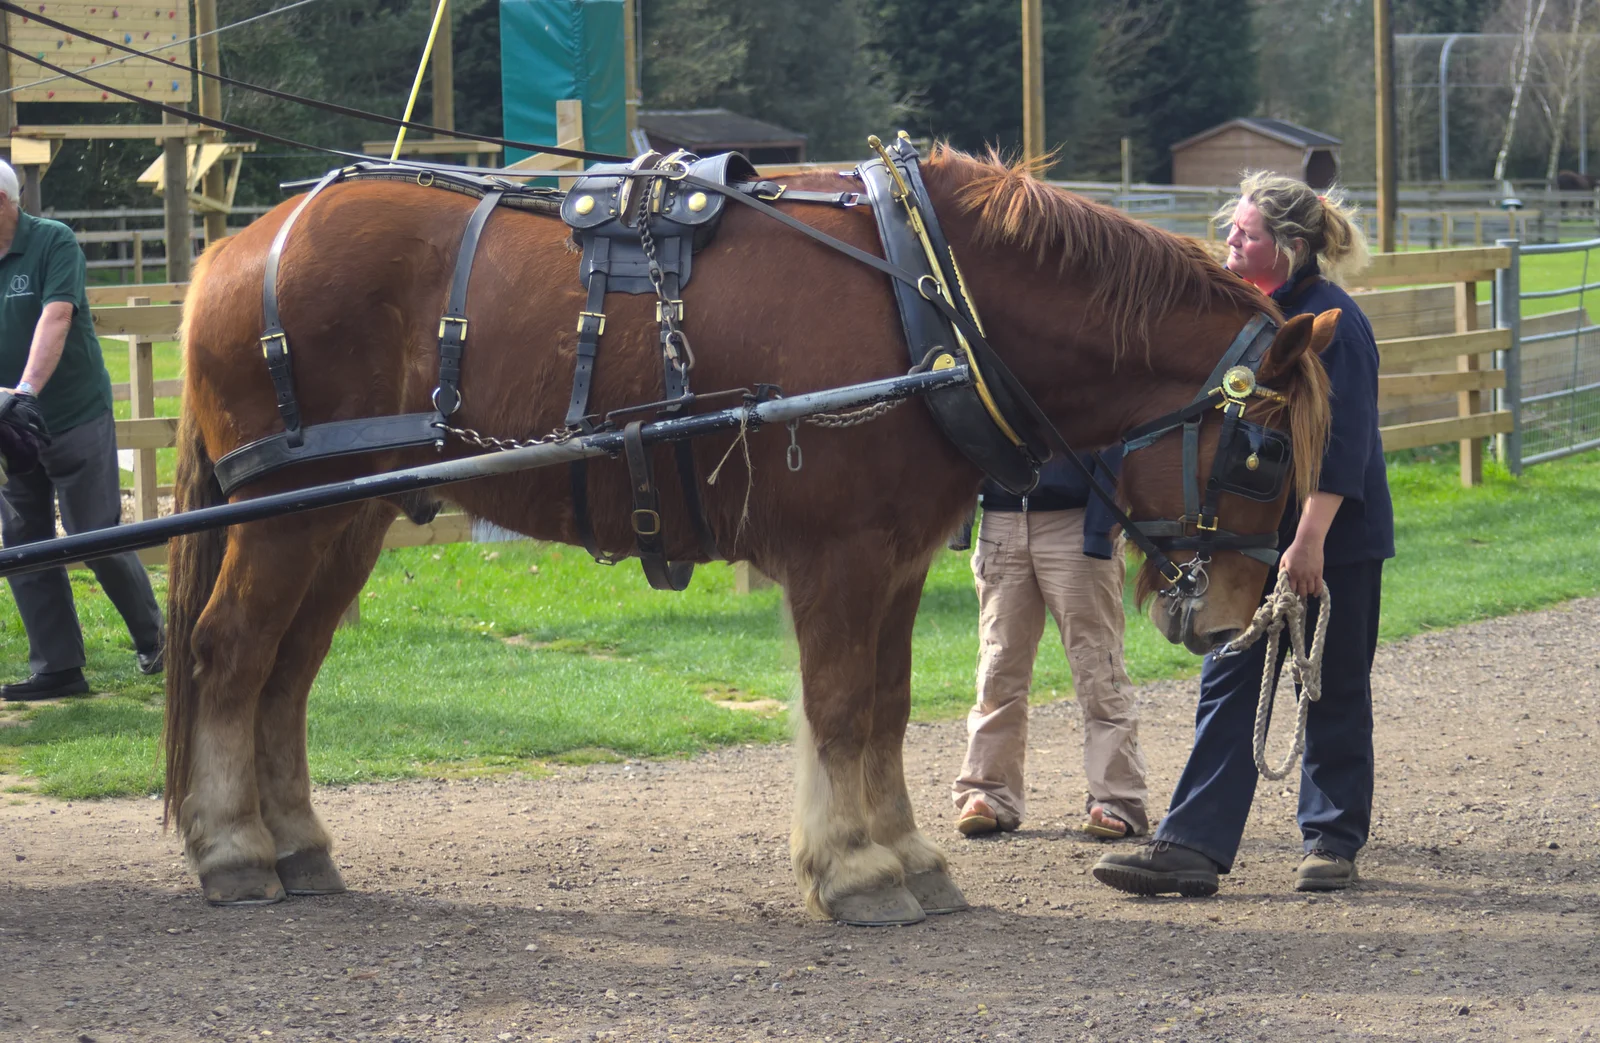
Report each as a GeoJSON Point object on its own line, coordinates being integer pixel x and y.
{"type": "Point", "coordinates": [23, 432]}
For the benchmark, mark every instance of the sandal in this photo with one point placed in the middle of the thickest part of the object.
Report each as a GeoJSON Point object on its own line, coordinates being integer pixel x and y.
{"type": "Point", "coordinates": [977, 818]}
{"type": "Point", "coordinates": [1102, 823]}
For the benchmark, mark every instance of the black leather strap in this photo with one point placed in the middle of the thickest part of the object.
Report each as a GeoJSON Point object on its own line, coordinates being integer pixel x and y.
{"type": "Point", "coordinates": [772, 192]}
{"type": "Point", "coordinates": [646, 518]}
{"type": "Point", "coordinates": [578, 475]}
{"type": "Point", "coordinates": [274, 342]}
{"type": "Point", "coordinates": [591, 324]}
{"type": "Point", "coordinates": [321, 441]}
{"type": "Point", "coordinates": [690, 480]}
{"type": "Point", "coordinates": [453, 326]}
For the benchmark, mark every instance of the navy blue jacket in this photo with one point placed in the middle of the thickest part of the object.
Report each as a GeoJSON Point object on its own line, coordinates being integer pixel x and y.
{"type": "Point", "coordinates": [1062, 488]}
{"type": "Point", "coordinates": [1363, 530]}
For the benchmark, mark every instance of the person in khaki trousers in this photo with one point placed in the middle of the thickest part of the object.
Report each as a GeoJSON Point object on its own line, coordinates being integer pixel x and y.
{"type": "Point", "coordinates": [1050, 552]}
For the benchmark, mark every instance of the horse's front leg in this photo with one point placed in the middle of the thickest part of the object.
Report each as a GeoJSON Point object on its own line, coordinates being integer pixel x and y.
{"type": "Point", "coordinates": [304, 848]}
{"type": "Point", "coordinates": [843, 871]}
{"type": "Point", "coordinates": [894, 824]}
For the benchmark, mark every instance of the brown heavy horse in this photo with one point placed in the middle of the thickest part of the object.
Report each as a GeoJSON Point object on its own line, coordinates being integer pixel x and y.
{"type": "Point", "coordinates": [1108, 322]}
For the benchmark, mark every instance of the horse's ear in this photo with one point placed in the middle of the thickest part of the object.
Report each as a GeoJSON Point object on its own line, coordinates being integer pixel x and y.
{"type": "Point", "coordinates": [1300, 334]}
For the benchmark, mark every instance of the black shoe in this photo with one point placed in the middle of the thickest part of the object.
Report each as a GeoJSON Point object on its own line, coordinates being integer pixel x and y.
{"type": "Point", "coordinates": [1159, 868]}
{"type": "Point", "coordinates": [153, 662]}
{"type": "Point", "coordinates": [46, 686]}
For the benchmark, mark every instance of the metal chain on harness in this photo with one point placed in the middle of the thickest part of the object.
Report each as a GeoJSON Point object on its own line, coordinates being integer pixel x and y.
{"type": "Point", "coordinates": [674, 342]}
{"type": "Point", "coordinates": [483, 441]}
{"type": "Point", "coordinates": [1285, 609]}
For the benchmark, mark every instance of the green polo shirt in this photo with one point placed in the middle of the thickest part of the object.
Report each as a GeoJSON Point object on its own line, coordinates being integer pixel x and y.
{"type": "Point", "coordinates": [46, 264]}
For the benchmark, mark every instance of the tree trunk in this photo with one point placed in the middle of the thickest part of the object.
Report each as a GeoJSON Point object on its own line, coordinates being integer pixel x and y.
{"type": "Point", "coordinates": [1521, 58]}
{"type": "Point", "coordinates": [1574, 51]}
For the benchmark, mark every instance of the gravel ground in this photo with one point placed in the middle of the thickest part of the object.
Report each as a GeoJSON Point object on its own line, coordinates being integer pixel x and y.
{"type": "Point", "coordinates": [653, 901]}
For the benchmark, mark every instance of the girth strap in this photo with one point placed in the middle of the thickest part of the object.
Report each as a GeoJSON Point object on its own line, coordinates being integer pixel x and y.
{"type": "Point", "coordinates": [646, 518]}
{"type": "Point", "coordinates": [453, 326]}
{"type": "Point", "coordinates": [274, 342]}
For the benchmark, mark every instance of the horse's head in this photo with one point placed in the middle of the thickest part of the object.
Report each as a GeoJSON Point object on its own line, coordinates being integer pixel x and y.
{"type": "Point", "coordinates": [1111, 324]}
{"type": "Point", "coordinates": [1209, 514]}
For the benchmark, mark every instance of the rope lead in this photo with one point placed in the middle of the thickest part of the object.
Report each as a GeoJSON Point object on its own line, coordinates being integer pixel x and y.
{"type": "Point", "coordinates": [1284, 608]}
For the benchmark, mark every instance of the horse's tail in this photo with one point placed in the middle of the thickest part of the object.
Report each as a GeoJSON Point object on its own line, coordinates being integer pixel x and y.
{"type": "Point", "coordinates": [193, 564]}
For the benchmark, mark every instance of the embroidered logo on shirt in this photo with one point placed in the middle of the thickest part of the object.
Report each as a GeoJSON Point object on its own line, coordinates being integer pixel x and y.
{"type": "Point", "coordinates": [19, 286]}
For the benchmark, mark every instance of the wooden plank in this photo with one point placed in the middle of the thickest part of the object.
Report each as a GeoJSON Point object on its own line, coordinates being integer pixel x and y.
{"type": "Point", "coordinates": [156, 291]}
{"type": "Point", "coordinates": [1471, 264]}
{"type": "Point", "coordinates": [154, 433]}
{"type": "Point", "coordinates": [142, 403]}
{"type": "Point", "coordinates": [157, 321]}
{"type": "Point", "coordinates": [1436, 432]}
{"type": "Point", "coordinates": [446, 528]}
{"type": "Point", "coordinates": [432, 147]}
{"type": "Point", "coordinates": [163, 389]}
{"type": "Point", "coordinates": [1468, 402]}
{"type": "Point", "coordinates": [1402, 384]}
{"type": "Point", "coordinates": [106, 131]}
{"type": "Point", "coordinates": [1406, 350]}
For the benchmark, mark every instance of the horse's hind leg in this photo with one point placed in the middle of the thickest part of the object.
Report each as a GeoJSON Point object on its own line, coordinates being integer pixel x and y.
{"type": "Point", "coordinates": [303, 845]}
{"type": "Point", "coordinates": [893, 823]}
{"type": "Point", "coordinates": [263, 579]}
{"type": "Point", "coordinates": [843, 870]}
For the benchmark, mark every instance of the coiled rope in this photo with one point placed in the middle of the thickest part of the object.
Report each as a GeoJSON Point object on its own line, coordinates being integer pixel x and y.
{"type": "Point", "coordinates": [1284, 609]}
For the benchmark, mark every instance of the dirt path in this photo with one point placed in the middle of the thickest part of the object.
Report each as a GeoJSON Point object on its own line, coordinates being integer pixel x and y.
{"type": "Point", "coordinates": [654, 901]}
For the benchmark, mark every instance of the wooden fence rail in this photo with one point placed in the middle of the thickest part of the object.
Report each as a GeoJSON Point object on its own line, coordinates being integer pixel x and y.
{"type": "Point", "coordinates": [1420, 334]}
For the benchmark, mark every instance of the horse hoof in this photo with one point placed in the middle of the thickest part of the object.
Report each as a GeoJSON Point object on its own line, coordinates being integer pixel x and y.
{"type": "Point", "coordinates": [310, 872]}
{"type": "Point", "coordinates": [936, 892]}
{"type": "Point", "coordinates": [885, 907]}
{"type": "Point", "coordinates": [242, 885]}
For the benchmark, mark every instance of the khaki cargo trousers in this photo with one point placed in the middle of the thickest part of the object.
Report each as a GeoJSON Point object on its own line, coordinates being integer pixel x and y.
{"type": "Point", "coordinates": [1027, 564]}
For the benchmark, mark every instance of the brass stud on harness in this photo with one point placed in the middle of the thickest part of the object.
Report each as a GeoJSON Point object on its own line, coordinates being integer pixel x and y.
{"type": "Point", "coordinates": [1238, 382]}
{"type": "Point", "coordinates": [583, 205]}
{"type": "Point", "coordinates": [697, 202]}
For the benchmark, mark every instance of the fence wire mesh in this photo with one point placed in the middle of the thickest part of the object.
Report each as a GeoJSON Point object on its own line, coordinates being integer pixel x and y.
{"type": "Point", "coordinates": [1560, 362]}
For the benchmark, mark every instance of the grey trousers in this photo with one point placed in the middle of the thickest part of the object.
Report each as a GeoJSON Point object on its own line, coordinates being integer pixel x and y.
{"type": "Point", "coordinates": [80, 469]}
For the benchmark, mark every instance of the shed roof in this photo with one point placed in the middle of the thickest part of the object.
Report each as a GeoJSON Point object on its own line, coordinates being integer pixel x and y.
{"type": "Point", "coordinates": [693, 127]}
{"type": "Point", "coordinates": [1278, 130]}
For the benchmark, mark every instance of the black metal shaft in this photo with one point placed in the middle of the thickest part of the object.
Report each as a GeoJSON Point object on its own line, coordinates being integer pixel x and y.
{"type": "Point", "coordinates": [32, 556]}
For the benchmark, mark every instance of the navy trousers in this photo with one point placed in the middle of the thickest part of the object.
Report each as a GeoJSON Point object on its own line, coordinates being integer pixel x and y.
{"type": "Point", "coordinates": [1212, 799]}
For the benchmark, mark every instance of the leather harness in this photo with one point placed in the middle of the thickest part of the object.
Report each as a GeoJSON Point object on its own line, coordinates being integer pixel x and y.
{"type": "Point", "coordinates": [639, 228]}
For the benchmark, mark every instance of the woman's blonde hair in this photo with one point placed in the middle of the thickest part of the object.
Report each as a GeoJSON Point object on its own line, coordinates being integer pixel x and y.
{"type": "Point", "coordinates": [1324, 225]}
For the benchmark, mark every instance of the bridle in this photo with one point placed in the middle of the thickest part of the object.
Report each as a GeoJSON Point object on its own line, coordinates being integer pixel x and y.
{"type": "Point", "coordinates": [1252, 461]}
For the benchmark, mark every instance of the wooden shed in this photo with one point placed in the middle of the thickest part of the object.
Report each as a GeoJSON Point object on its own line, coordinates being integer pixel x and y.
{"type": "Point", "coordinates": [708, 131]}
{"type": "Point", "coordinates": [1219, 155]}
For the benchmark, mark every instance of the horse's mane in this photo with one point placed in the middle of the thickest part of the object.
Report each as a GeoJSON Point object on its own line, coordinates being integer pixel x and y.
{"type": "Point", "coordinates": [1138, 273]}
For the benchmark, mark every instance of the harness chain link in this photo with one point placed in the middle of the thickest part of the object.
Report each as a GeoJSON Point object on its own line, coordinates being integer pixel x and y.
{"type": "Point", "coordinates": [483, 441]}
{"type": "Point", "coordinates": [673, 340]}
{"type": "Point", "coordinates": [1282, 609]}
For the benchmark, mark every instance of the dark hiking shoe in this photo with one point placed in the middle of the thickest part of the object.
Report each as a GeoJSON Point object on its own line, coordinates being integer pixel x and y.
{"type": "Point", "coordinates": [153, 662]}
{"type": "Point", "coordinates": [1159, 868]}
{"type": "Point", "coordinates": [46, 686]}
{"type": "Point", "coordinates": [1324, 871]}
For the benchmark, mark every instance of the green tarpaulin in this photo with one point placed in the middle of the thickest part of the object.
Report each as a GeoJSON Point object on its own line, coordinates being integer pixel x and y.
{"type": "Point", "coordinates": [556, 50]}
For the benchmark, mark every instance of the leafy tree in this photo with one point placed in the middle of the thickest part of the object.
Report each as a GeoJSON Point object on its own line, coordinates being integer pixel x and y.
{"type": "Point", "coordinates": [956, 68]}
{"type": "Point", "coordinates": [803, 66]}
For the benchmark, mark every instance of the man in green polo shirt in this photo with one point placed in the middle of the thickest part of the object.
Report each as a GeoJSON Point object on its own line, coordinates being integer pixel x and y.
{"type": "Point", "coordinates": [50, 362]}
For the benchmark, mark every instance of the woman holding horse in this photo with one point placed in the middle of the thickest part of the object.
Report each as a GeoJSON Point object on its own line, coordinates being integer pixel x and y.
{"type": "Point", "coordinates": [1293, 244]}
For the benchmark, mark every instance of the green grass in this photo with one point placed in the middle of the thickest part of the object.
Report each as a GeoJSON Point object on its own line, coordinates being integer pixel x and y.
{"type": "Point", "coordinates": [467, 660]}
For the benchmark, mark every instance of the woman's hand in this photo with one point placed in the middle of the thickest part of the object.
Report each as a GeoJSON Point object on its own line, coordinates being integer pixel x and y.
{"type": "Point", "coordinates": [1303, 562]}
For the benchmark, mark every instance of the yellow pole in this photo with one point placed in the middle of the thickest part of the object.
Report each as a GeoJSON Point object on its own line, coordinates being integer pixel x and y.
{"type": "Point", "coordinates": [1032, 81]}
{"type": "Point", "coordinates": [416, 84]}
